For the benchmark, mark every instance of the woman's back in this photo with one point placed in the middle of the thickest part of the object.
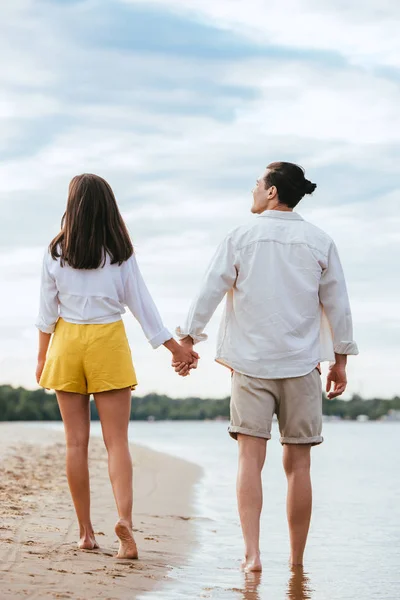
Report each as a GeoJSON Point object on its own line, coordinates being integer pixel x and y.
{"type": "Point", "coordinates": [85, 296]}
{"type": "Point", "coordinates": [88, 295]}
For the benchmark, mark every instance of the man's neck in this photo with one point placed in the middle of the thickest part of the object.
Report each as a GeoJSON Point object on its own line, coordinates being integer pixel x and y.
{"type": "Point", "coordinates": [279, 207]}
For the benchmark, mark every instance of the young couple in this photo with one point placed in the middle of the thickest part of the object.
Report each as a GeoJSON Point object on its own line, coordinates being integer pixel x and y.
{"type": "Point", "coordinates": [287, 309]}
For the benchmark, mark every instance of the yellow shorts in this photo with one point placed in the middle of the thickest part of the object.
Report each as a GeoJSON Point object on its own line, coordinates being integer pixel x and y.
{"type": "Point", "coordinates": [87, 359]}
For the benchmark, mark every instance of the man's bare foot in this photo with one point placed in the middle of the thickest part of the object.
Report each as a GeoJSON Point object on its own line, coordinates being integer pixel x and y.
{"type": "Point", "coordinates": [252, 564]}
{"type": "Point", "coordinates": [296, 563]}
{"type": "Point", "coordinates": [127, 544]}
{"type": "Point", "coordinates": [88, 542]}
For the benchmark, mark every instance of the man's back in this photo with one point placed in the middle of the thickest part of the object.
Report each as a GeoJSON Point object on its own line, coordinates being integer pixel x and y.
{"type": "Point", "coordinates": [281, 274]}
{"type": "Point", "coordinates": [276, 312]}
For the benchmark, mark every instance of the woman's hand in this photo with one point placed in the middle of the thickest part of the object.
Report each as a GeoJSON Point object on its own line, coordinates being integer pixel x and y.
{"type": "Point", "coordinates": [184, 360]}
{"type": "Point", "coordinates": [184, 357]}
{"type": "Point", "coordinates": [39, 368]}
{"type": "Point", "coordinates": [44, 341]}
{"type": "Point", "coordinates": [182, 367]}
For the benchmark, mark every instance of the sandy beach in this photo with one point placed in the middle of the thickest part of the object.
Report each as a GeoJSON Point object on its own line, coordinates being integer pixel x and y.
{"type": "Point", "coordinates": [38, 530]}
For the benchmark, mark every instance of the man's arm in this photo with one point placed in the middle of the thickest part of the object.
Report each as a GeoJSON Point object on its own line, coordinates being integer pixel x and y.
{"type": "Point", "coordinates": [218, 280]}
{"type": "Point", "coordinates": [335, 301]}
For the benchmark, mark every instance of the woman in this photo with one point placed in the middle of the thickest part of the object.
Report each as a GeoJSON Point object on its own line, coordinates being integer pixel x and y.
{"type": "Point", "coordinates": [89, 275]}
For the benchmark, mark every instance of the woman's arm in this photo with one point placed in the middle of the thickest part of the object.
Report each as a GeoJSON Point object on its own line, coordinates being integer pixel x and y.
{"type": "Point", "coordinates": [48, 313]}
{"type": "Point", "coordinates": [48, 310]}
{"type": "Point", "coordinates": [142, 306]}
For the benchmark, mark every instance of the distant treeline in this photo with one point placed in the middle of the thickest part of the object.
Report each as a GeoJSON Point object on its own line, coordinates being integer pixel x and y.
{"type": "Point", "coordinates": [18, 404]}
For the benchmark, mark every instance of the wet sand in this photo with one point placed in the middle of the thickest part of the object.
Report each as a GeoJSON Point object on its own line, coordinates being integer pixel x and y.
{"type": "Point", "coordinates": [39, 558]}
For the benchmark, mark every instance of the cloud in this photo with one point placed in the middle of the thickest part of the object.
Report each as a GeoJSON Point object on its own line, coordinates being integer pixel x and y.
{"type": "Point", "coordinates": [365, 33]}
{"type": "Point", "coordinates": [182, 130]}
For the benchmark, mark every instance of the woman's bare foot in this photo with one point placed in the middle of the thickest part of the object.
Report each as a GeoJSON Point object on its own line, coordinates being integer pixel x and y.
{"type": "Point", "coordinates": [127, 544]}
{"type": "Point", "coordinates": [252, 564]}
{"type": "Point", "coordinates": [88, 542]}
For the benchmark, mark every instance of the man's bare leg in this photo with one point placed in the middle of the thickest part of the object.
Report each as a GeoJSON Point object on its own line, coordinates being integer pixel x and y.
{"type": "Point", "coordinates": [252, 451]}
{"type": "Point", "coordinates": [296, 461]}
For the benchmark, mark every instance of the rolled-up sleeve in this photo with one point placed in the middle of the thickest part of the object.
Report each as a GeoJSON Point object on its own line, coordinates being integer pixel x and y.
{"type": "Point", "coordinates": [139, 301]}
{"type": "Point", "coordinates": [218, 280]}
{"type": "Point", "coordinates": [48, 307]}
{"type": "Point", "coordinates": [335, 301]}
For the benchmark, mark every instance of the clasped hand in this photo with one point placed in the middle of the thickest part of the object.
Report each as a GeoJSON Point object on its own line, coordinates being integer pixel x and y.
{"type": "Point", "coordinates": [185, 358]}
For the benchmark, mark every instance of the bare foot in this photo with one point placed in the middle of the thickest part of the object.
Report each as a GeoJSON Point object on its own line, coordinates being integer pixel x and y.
{"type": "Point", "coordinates": [297, 563]}
{"type": "Point", "coordinates": [127, 544]}
{"type": "Point", "coordinates": [88, 542]}
{"type": "Point", "coordinates": [252, 564]}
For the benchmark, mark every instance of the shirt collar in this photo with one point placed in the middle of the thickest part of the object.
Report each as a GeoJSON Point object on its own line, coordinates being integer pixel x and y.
{"type": "Point", "coordinates": [282, 214]}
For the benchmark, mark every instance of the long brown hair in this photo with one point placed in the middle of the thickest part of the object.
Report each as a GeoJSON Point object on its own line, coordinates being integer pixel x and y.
{"type": "Point", "coordinates": [91, 226]}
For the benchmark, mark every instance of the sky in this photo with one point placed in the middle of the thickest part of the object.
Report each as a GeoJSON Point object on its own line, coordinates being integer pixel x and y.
{"type": "Point", "coordinates": [180, 105]}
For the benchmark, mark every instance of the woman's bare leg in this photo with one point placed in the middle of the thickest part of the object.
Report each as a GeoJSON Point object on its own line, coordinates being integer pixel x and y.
{"type": "Point", "coordinates": [114, 409]}
{"type": "Point", "coordinates": [75, 414]}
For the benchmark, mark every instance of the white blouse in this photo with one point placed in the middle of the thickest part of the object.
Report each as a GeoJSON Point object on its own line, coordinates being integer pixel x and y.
{"type": "Point", "coordinates": [287, 307]}
{"type": "Point", "coordinates": [85, 296]}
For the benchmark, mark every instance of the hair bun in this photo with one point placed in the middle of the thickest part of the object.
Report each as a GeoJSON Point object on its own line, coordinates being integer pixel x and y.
{"type": "Point", "coordinates": [309, 187]}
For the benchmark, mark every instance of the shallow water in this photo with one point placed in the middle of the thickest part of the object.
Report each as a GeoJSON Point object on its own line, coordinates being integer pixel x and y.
{"type": "Point", "coordinates": [354, 542]}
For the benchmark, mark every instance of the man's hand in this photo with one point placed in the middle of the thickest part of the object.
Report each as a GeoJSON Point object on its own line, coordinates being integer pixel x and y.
{"type": "Point", "coordinates": [337, 377]}
{"type": "Point", "coordinates": [181, 367]}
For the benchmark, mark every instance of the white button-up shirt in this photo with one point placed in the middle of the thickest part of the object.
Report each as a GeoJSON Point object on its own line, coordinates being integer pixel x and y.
{"type": "Point", "coordinates": [85, 296]}
{"type": "Point", "coordinates": [287, 307]}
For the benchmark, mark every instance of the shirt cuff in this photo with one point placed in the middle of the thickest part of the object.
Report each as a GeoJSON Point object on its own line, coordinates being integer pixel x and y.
{"type": "Point", "coordinates": [41, 325]}
{"type": "Point", "coordinates": [160, 338]}
{"type": "Point", "coordinates": [181, 334]}
{"type": "Point", "coordinates": [346, 348]}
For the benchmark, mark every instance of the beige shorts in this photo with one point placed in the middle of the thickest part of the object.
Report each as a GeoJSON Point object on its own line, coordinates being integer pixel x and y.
{"type": "Point", "coordinates": [297, 402]}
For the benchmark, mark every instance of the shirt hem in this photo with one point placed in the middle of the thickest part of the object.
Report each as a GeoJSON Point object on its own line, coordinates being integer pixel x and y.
{"type": "Point", "coordinates": [102, 321]}
{"type": "Point", "coordinates": [288, 373]}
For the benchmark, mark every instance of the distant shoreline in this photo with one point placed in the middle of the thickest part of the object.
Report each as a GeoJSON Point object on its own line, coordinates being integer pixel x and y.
{"type": "Point", "coordinates": [19, 404]}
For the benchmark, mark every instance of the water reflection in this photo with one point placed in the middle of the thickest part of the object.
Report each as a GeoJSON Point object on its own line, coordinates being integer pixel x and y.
{"type": "Point", "coordinates": [251, 584]}
{"type": "Point", "coordinates": [299, 585]}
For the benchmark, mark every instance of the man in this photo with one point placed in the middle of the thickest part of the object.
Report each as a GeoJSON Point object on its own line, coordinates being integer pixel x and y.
{"type": "Point", "coordinates": [287, 310]}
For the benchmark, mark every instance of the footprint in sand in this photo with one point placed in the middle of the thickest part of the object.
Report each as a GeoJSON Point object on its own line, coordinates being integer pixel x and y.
{"type": "Point", "coordinates": [64, 571]}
